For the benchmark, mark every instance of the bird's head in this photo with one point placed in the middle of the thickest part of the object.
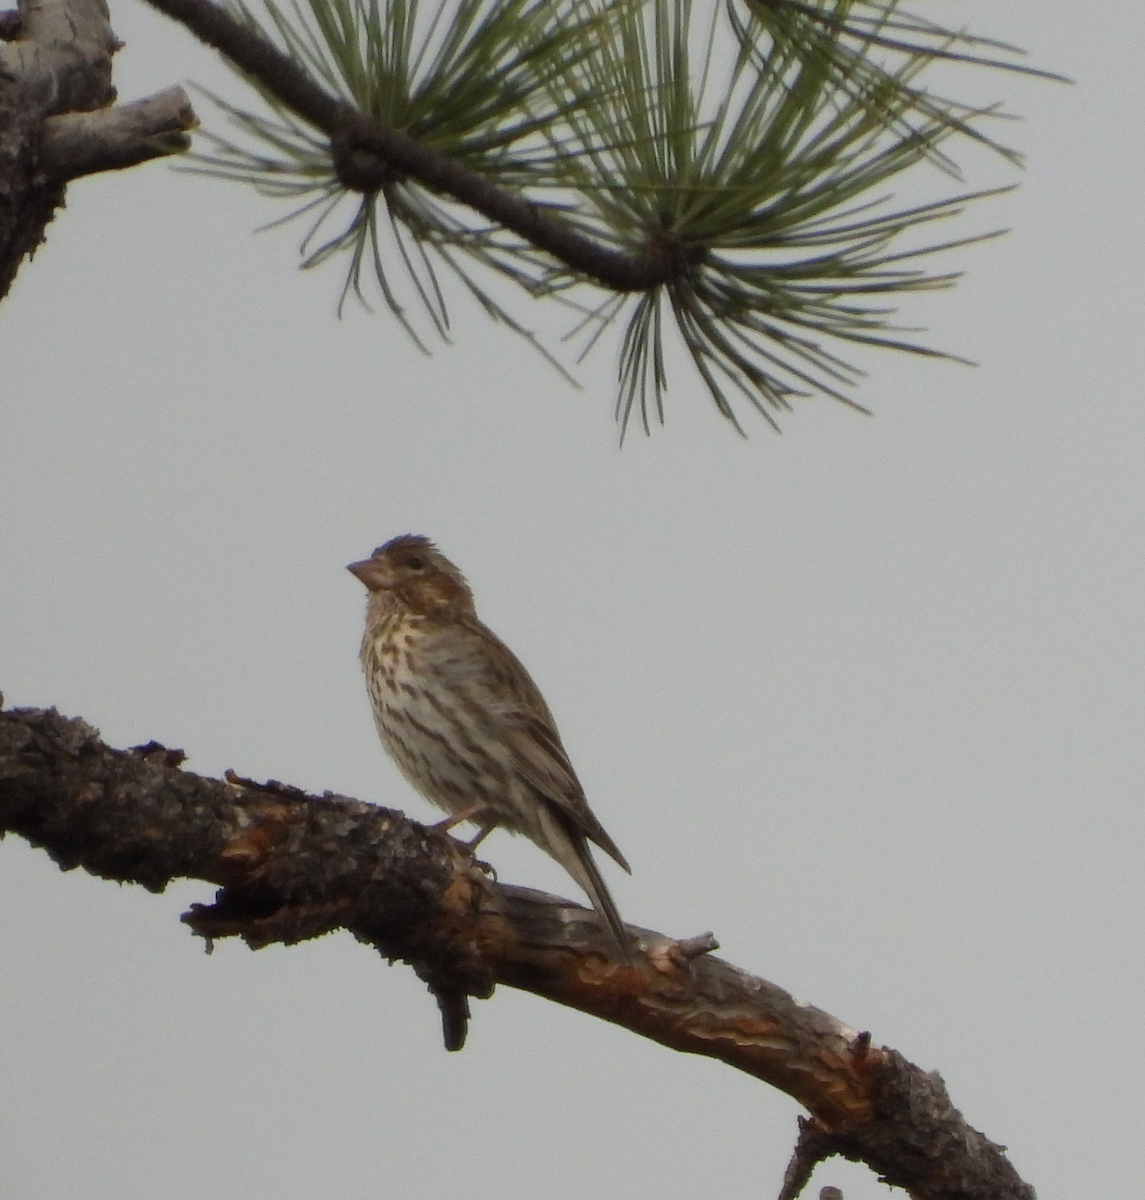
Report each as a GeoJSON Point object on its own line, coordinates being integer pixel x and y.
{"type": "Point", "coordinates": [411, 572]}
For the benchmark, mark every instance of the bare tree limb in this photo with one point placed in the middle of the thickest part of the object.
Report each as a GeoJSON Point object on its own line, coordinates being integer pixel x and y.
{"type": "Point", "coordinates": [110, 139]}
{"type": "Point", "coordinates": [61, 57]}
{"type": "Point", "coordinates": [55, 66]}
{"type": "Point", "coordinates": [352, 134]}
{"type": "Point", "coordinates": [291, 866]}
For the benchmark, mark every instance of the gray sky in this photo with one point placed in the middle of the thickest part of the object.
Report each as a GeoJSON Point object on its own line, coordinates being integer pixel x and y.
{"type": "Point", "coordinates": [866, 698]}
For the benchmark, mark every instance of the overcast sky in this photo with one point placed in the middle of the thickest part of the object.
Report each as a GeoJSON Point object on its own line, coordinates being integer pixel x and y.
{"type": "Point", "coordinates": [864, 698]}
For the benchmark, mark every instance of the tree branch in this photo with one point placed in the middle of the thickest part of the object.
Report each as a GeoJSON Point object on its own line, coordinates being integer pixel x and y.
{"type": "Point", "coordinates": [292, 866]}
{"type": "Point", "coordinates": [56, 120]}
{"type": "Point", "coordinates": [353, 132]}
{"type": "Point", "coordinates": [61, 56]}
{"type": "Point", "coordinates": [109, 139]}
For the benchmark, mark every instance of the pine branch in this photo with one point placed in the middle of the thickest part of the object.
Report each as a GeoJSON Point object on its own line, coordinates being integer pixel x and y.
{"type": "Point", "coordinates": [355, 137]}
{"type": "Point", "coordinates": [291, 866]}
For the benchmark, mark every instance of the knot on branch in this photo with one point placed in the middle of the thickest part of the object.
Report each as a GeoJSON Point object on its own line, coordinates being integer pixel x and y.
{"type": "Point", "coordinates": [359, 167]}
{"type": "Point", "coordinates": [672, 257]}
{"type": "Point", "coordinates": [295, 869]}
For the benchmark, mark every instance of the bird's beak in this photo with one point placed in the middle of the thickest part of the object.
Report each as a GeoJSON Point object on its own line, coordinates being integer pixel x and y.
{"type": "Point", "coordinates": [371, 572]}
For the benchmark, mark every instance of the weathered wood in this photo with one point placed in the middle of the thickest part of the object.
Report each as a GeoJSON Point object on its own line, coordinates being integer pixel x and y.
{"type": "Point", "coordinates": [292, 866]}
{"type": "Point", "coordinates": [110, 139]}
{"type": "Point", "coordinates": [55, 62]}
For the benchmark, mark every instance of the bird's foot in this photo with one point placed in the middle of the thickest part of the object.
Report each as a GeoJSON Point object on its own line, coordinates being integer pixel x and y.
{"type": "Point", "coordinates": [487, 868]}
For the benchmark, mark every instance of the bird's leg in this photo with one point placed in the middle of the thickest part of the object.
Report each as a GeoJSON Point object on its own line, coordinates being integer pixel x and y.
{"type": "Point", "coordinates": [464, 814]}
{"type": "Point", "coordinates": [468, 813]}
{"type": "Point", "coordinates": [482, 834]}
{"type": "Point", "coordinates": [485, 830]}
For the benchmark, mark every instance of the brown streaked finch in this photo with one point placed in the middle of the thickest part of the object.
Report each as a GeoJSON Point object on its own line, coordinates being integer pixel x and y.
{"type": "Point", "coordinates": [467, 726]}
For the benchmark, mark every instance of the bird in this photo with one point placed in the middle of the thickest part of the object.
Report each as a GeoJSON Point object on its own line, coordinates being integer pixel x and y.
{"type": "Point", "coordinates": [463, 720]}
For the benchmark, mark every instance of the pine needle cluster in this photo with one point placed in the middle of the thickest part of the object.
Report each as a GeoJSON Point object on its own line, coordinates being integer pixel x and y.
{"type": "Point", "coordinates": [746, 151]}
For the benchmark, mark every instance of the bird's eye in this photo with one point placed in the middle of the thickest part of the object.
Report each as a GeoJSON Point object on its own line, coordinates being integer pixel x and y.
{"type": "Point", "coordinates": [415, 562]}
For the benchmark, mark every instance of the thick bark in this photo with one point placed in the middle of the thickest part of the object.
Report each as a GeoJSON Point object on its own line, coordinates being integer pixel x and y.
{"type": "Point", "coordinates": [292, 866]}
{"type": "Point", "coordinates": [55, 63]}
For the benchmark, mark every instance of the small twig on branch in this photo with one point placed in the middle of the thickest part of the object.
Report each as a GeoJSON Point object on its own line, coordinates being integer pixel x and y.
{"type": "Point", "coordinates": [349, 130]}
{"type": "Point", "coordinates": [814, 1145]}
{"type": "Point", "coordinates": [672, 956]}
{"type": "Point", "coordinates": [109, 139]}
{"type": "Point", "coordinates": [291, 866]}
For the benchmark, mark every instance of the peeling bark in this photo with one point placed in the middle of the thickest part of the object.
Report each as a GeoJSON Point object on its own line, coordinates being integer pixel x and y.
{"type": "Point", "coordinates": [292, 866]}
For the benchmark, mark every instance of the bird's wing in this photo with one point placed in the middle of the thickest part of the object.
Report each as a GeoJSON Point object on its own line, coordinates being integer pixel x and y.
{"type": "Point", "coordinates": [541, 759]}
{"type": "Point", "coordinates": [526, 727]}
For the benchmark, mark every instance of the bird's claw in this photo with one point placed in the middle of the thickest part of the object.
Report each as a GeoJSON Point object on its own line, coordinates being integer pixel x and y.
{"type": "Point", "coordinates": [488, 868]}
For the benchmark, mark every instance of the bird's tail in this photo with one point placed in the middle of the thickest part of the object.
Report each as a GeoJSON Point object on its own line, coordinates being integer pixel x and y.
{"type": "Point", "coordinates": [582, 867]}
